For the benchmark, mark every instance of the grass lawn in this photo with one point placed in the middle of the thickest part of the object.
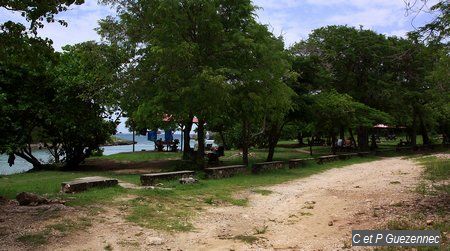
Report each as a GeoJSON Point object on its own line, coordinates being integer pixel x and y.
{"type": "Point", "coordinates": [231, 156]}
{"type": "Point", "coordinates": [142, 156]}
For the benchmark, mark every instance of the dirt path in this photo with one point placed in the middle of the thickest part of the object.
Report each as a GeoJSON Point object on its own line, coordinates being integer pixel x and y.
{"type": "Point", "coordinates": [313, 213]}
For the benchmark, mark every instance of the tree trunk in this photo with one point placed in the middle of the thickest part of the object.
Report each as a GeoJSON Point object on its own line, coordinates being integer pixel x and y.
{"type": "Point", "coordinates": [245, 142]}
{"type": "Point", "coordinates": [423, 131]}
{"type": "Point", "coordinates": [413, 132]}
{"type": "Point", "coordinates": [352, 137]}
{"type": "Point", "coordinates": [341, 133]}
{"type": "Point", "coordinates": [373, 144]}
{"type": "Point", "coordinates": [222, 137]}
{"type": "Point", "coordinates": [274, 136]}
{"type": "Point", "coordinates": [201, 143]}
{"type": "Point", "coordinates": [300, 138]}
{"type": "Point", "coordinates": [187, 153]}
{"type": "Point", "coordinates": [333, 142]}
{"type": "Point", "coordinates": [363, 138]}
{"type": "Point", "coordinates": [28, 156]}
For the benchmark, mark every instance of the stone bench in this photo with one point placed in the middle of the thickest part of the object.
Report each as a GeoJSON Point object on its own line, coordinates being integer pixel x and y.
{"type": "Point", "coordinates": [294, 163]}
{"type": "Point", "coordinates": [362, 154]}
{"type": "Point", "coordinates": [347, 155]}
{"type": "Point", "coordinates": [403, 148]}
{"type": "Point", "coordinates": [381, 151]}
{"type": "Point", "coordinates": [152, 179]}
{"type": "Point", "coordinates": [83, 184]}
{"type": "Point", "coordinates": [327, 158]}
{"type": "Point", "coordinates": [224, 171]}
{"type": "Point", "coordinates": [265, 166]}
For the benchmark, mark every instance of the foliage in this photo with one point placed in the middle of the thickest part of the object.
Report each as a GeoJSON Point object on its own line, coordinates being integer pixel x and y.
{"type": "Point", "coordinates": [86, 80]}
{"type": "Point", "coordinates": [333, 111]}
{"type": "Point", "coordinates": [38, 11]}
{"type": "Point", "coordinates": [25, 88]}
{"type": "Point", "coordinates": [41, 88]}
{"type": "Point", "coordinates": [438, 29]}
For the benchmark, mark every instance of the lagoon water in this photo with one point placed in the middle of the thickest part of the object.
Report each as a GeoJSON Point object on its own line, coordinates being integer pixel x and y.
{"type": "Point", "coordinates": [141, 144]}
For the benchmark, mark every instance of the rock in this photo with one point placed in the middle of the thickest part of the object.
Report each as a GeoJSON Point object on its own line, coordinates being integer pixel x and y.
{"type": "Point", "coordinates": [430, 222]}
{"type": "Point", "coordinates": [188, 180]}
{"type": "Point", "coordinates": [154, 241]}
{"type": "Point", "coordinates": [31, 199]}
{"type": "Point", "coordinates": [357, 187]}
{"type": "Point", "coordinates": [330, 223]}
{"type": "Point", "coordinates": [3, 200]}
{"type": "Point", "coordinates": [310, 202]}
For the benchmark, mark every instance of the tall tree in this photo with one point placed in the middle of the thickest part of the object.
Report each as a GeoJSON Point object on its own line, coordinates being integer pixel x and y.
{"type": "Point", "coordinates": [184, 51]}
{"type": "Point", "coordinates": [352, 61]}
{"type": "Point", "coordinates": [26, 89]}
{"type": "Point", "coordinates": [38, 11]}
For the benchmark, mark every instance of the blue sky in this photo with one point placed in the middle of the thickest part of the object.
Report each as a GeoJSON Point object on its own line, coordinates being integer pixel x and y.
{"type": "Point", "coordinates": [294, 19]}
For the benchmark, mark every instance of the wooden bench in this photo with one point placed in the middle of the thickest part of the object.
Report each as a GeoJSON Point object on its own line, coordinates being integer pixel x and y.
{"type": "Point", "coordinates": [265, 166]}
{"type": "Point", "coordinates": [362, 154]}
{"type": "Point", "coordinates": [152, 179]}
{"type": "Point", "coordinates": [83, 184]}
{"type": "Point", "coordinates": [294, 163]}
{"type": "Point", "coordinates": [224, 171]}
{"type": "Point", "coordinates": [327, 158]}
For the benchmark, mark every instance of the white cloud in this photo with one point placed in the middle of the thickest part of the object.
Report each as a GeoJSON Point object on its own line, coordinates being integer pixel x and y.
{"type": "Point", "coordinates": [369, 18]}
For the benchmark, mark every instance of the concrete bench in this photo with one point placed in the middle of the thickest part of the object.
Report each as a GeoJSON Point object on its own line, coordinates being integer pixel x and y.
{"type": "Point", "coordinates": [347, 155]}
{"type": "Point", "coordinates": [362, 154]}
{"type": "Point", "coordinates": [265, 166]}
{"type": "Point", "coordinates": [381, 151]}
{"type": "Point", "coordinates": [403, 148]}
{"type": "Point", "coordinates": [327, 158]}
{"type": "Point", "coordinates": [152, 179]}
{"type": "Point", "coordinates": [294, 163]}
{"type": "Point", "coordinates": [224, 171]}
{"type": "Point", "coordinates": [83, 184]}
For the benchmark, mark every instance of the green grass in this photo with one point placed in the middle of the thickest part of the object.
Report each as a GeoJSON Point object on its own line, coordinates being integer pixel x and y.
{"type": "Point", "coordinates": [435, 170]}
{"type": "Point", "coordinates": [262, 191]}
{"type": "Point", "coordinates": [67, 226]}
{"type": "Point", "coordinates": [246, 238]}
{"type": "Point", "coordinates": [231, 156]}
{"type": "Point", "coordinates": [142, 156]}
{"type": "Point", "coordinates": [162, 213]}
{"type": "Point", "coordinates": [34, 239]}
{"type": "Point", "coordinates": [48, 183]}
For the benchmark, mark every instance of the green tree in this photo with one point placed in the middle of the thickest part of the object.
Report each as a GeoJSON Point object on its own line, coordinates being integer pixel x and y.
{"type": "Point", "coordinates": [25, 89]}
{"type": "Point", "coordinates": [87, 80]}
{"type": "Point", "coordinates": [184, 61]}
{"type": "Point", "coordinates": [334, 111]}
{"type": "Point", "coordinates": [351, 61]}
{"type": "Point", "coordinates": [38, 11]}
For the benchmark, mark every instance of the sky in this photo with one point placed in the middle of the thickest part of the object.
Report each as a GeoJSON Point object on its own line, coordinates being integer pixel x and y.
{"type": "Point", "coordinates": [292, 19]}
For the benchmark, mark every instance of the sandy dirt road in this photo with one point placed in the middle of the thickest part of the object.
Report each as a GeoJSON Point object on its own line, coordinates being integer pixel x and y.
{"type": "Point", "coordinates": [313, 213]}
